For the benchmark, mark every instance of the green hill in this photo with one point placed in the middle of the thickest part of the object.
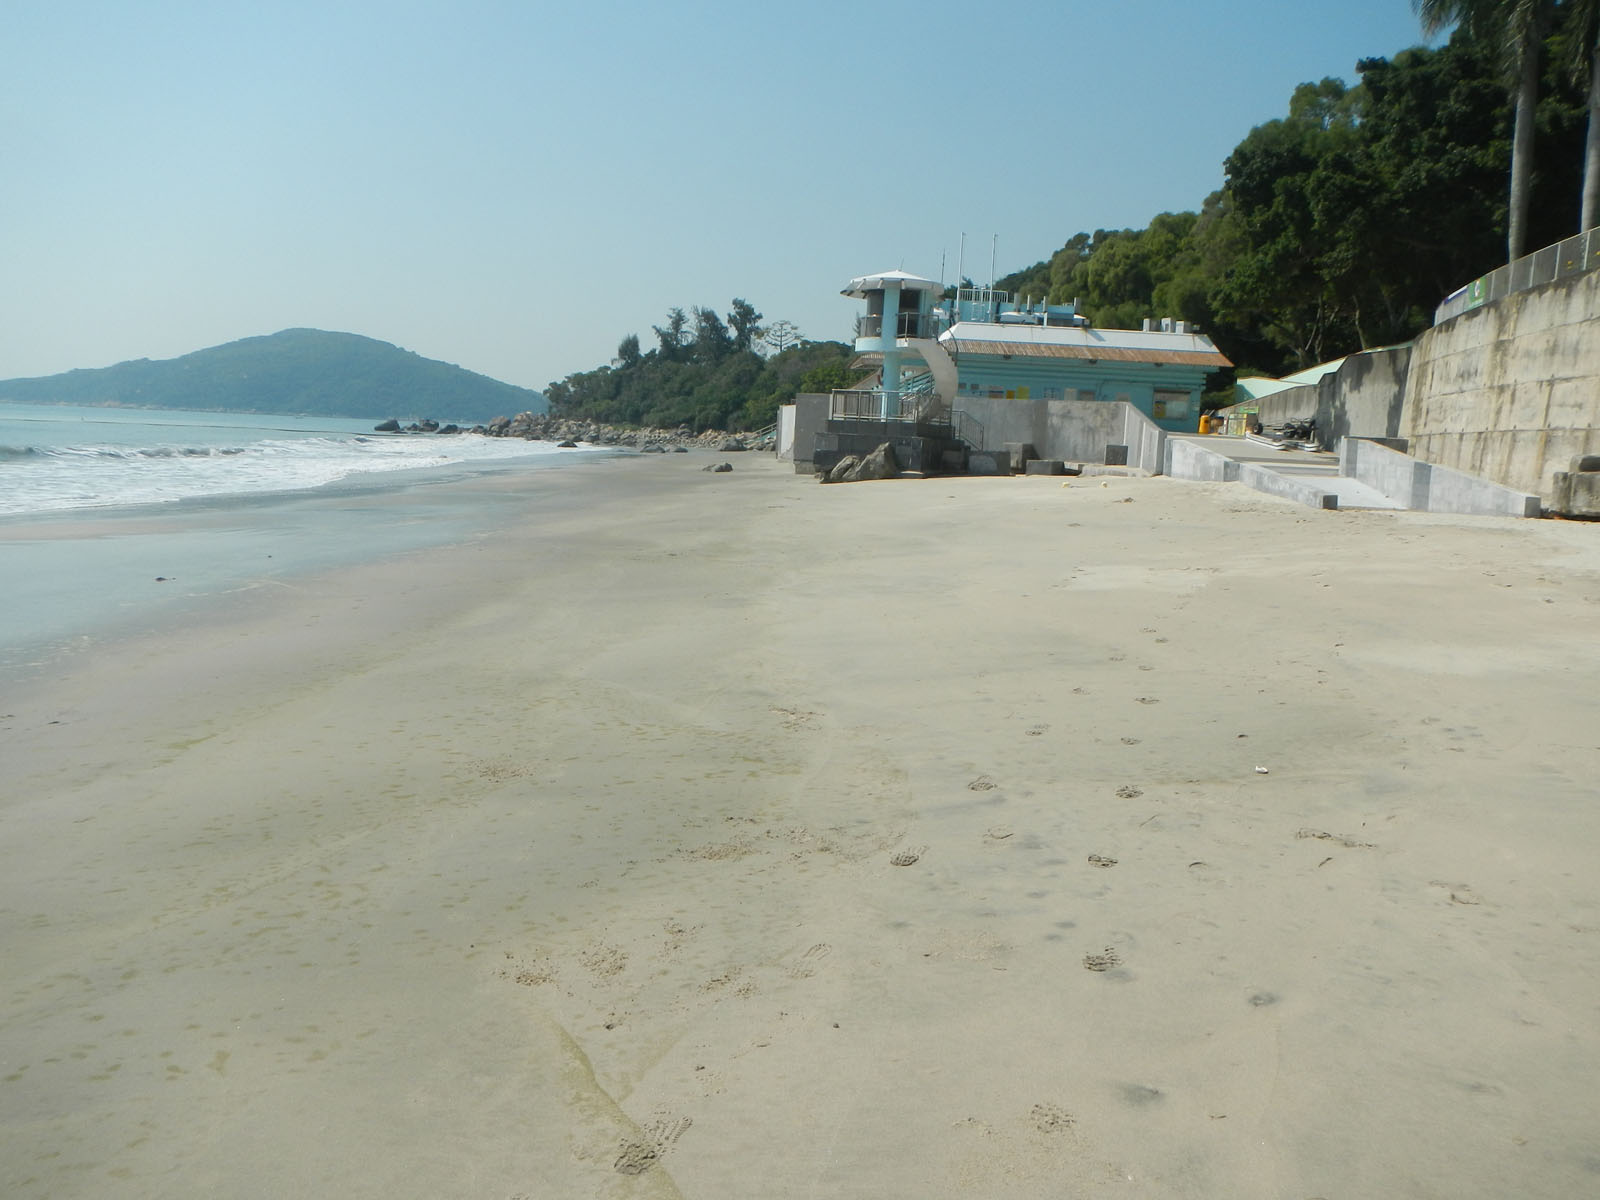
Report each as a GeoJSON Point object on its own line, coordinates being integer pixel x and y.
{"type": "Point", "coordinates": [302, 371]}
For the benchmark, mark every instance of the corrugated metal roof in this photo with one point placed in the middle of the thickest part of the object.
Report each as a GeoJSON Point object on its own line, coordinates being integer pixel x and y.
{"type": "Point", "coordinates": [1092, 353]}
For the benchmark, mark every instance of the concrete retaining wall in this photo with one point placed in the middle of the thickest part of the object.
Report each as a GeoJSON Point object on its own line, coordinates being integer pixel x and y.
{"type": "Point", "coordinates": [1186, 460]}
{"type": "Point", "coordinates": [1363, 398]}
{"type": "Point", "coordinates": [1510, 391]}
{"type": "Point", "coordinates": [1071, 430]}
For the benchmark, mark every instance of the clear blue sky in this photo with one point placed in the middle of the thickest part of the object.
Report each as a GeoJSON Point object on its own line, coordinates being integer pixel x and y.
{"type": "Point", "coordinates": [516, 186]}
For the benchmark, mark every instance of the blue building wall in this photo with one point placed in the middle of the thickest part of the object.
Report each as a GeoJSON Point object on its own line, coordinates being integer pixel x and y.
{"type": "Point", "coordinates": [1078, 379]}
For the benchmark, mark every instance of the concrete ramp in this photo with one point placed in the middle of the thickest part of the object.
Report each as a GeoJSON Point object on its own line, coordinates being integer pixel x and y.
{"type": "Point", "coordinates": [1426, 487]}
{"type": "Point", "coordinates": [1364, 474]}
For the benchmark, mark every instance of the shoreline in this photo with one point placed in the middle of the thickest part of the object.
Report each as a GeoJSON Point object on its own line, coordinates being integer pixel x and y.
{"type": "Point", "coordinates": [725, 835]}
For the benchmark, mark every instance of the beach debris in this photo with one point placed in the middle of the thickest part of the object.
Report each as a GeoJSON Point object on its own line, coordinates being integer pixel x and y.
{"type": "Point", "coordinates": [1347, 843]}
{"type": "Point", "coordinates": [1100, 860]}
{"type": "Point", "coordinates": [1262, 771]}
{"type": "Point", "coordinates": [1103, 961]}
{"type": "Point", "coordinates": [998, 833]}
{"type": "Point", "coordinates": [1146, 700]}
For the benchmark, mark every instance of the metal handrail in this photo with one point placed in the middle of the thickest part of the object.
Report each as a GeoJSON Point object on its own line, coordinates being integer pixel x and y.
{"type": "Point", "coordinates": [867, 404]}
{"type": "Point", "coordinates": [1574, 256]}
{"type": "Point", "coordinates": [908, 325]}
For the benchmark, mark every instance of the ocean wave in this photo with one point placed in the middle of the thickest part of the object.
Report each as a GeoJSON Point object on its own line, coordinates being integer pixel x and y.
{"type": "Point", "coordinates": [99, 475]}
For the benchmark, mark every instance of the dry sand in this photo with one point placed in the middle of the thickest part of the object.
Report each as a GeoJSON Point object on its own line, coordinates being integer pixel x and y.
{"type": "Point", "coordinates": [727, 836]}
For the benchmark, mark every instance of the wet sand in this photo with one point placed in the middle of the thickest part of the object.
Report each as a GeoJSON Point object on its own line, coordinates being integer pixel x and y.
{"type": "Point", "coordinates": [725, 835]}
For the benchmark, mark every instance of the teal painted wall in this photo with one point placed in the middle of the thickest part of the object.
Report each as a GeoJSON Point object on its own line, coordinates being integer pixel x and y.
{"type": "Point", "coordinates": [1065, 378]}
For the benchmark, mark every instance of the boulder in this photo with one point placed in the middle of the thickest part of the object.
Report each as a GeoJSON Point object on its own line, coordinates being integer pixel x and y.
{"type": "Point", "coordinates": [569, 444]}
{"type": "Point", "coordinates": [729, 445]}
{"type": "Point", "coordinates": [718, 467]}
{"type": "Point", "coordinates": [389, 426]}
{"type": "Point", "coordinates": [880, 464]}
{"type": "Point", "coordinates": [841, 469]}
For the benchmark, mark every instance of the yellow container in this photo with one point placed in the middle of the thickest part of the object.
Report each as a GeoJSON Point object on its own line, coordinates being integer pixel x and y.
{"type": "Point", "coordinates": [1205, 422]}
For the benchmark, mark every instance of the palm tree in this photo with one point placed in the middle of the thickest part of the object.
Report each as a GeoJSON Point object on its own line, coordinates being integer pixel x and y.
{"type": "Point", "coordinates": [1583, 60]}
{"type": "Point", "coordinates": [1519, 26]}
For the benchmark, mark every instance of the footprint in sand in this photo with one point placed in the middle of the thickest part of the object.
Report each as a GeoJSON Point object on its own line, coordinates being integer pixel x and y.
{"type": "Point", "coordinates": [982, 784]}
{"type": "Point", "coordinates": [1146, 700]}
{"type": "Point", "coordinates": [806, 967]}
{"type": "Point", "coordinates": [1460, 893]}
{"type": "Point", "coordinates": [1128, 792]}
{"type": "Point", "coordinates": [906, 858]}
{"type": "Point", "coordinates": [1102, 962]}
{"type": "Point", "coordinates": [1100, 860]}
{"type": "Point", "coordinates": [655, 1139]}
{"type": "Point", "coordinates": [603, 961]}
{"type": "Point", "coordinates": [1050, 1118]}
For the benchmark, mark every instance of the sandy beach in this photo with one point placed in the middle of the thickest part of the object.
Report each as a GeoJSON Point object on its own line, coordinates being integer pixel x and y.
{"type": "Point", "coordinates": [726, 836]}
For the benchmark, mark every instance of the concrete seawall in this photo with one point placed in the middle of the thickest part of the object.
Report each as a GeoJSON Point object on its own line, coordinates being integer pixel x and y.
{"type": "Point", "coordinates": [1510, 391]}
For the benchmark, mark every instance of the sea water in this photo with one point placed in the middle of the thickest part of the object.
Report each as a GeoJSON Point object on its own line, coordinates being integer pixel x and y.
{"type": "Point", "coordinates": [114, 521]}
{"type": "Point", "coordinates": [56, 458]}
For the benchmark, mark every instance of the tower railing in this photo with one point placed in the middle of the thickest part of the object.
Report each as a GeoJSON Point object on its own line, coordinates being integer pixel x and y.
{"type": "Point", "coordinates": [907, 325]}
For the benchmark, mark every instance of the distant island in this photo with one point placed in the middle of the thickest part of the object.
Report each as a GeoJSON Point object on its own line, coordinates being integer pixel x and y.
{"type": "Point", "coordinates": [307, 372]}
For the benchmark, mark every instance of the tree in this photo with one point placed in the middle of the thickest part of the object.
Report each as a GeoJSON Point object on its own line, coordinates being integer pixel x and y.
{"type": "Point", "coordinates": [628, 352]}
{"type": "Point", "coordinates": [674, 335]}
{"type": "Point", "coordinates": [742, 320]}
{"type": "Point", "coordinates": [1520, 26]}
{"type": "Point", "coordinates": [780, 336]}
{"type": "Point", "coordinates": [711, 340]}
{"type": "Point", "coordinates": [1581, 58]}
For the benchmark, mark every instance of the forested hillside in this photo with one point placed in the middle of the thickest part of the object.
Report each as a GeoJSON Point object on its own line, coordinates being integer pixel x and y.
{"type": "Point", "coordinates": [1342, 225]}
{"type": "Point", "coordinates": [305, 371]}
{"type": "Point", "coordinates": [705, 373]}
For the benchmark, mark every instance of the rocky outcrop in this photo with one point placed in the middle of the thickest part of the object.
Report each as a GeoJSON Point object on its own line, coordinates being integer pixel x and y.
{"type": "Point", "coordinates": [542, 427]}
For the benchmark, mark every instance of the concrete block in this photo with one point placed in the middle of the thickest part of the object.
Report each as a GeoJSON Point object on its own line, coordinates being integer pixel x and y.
{"type": "Point", "coordinates": [1045, 466]}
{"type": "Point", "coordinates": [1020, 453]}
{"type": "Point", "coordinates": [1577, 494]}
{"type": "Point", "coordinates": [988, 462]}
{"type": "Point", "coordinates": [1116, 455]}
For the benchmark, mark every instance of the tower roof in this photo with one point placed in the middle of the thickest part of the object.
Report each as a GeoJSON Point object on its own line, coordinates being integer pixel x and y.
{"type": "Point", "coordinates": [862, 284]}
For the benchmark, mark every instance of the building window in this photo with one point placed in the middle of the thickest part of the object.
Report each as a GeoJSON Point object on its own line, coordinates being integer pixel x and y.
{"type": "Point", "coordinates": [1170, 406]}
{"type": "Point", "coordinates": [1086, 394]}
